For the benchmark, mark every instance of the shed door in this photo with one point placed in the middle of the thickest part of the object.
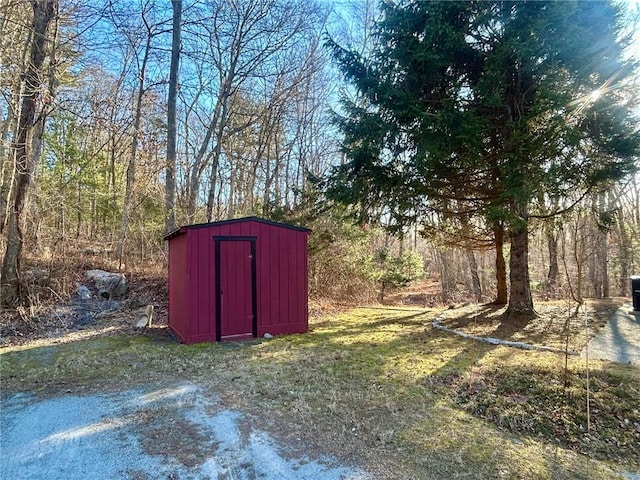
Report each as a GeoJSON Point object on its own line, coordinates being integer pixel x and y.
{"type": "Point", "coordinates": [235, 271]}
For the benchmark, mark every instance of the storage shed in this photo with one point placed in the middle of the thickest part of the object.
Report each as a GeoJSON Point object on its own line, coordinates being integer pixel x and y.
{"type": "Point", "coordinates": [237, 279]}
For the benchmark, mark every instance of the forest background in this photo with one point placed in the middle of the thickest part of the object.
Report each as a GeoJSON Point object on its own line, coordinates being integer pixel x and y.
{"type": "Point", "coordinates": [125, 143]}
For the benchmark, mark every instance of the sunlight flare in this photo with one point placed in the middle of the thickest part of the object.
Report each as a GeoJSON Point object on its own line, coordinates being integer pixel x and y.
{"type": "Point", "coordinates": [93, 429]}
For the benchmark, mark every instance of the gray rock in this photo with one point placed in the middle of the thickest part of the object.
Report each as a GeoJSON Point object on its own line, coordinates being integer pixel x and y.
{"type": "Point", "coordinates": [83, 292]}
{"type": "Point", "coordinates": [145, 318]}
{"type": "Point", "coordinates": [141, 322]}
{"type": "Point", "coordinates": [109, 285]}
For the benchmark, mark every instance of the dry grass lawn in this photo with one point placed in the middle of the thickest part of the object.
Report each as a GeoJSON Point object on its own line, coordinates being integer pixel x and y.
{"type": "Point", "coordinates": [381, 388]}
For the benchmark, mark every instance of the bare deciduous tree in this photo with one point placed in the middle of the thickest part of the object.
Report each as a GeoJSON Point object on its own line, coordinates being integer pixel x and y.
{"type": "Point", "coordinates": [43, 14]}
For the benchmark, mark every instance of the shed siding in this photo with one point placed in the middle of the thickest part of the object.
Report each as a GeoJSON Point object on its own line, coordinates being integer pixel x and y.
{"type": "Point", "coordinates": [263, 276]}
{"type": "Point", "coordinates": [178, 300]}
{"type": "Point", "coordinates": [277, 277]}
{"type": "Point", "coordinates": [281, 278]}
{"type": "Point", "coordinates": [205, 284]}
{"type": "Point", "coordinates": [272, 287]}
{"type": "Point", "coordinates": [192, 281]}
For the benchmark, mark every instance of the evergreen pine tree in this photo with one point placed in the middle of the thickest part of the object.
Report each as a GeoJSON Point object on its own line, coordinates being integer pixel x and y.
{"type": "Point", "coordinates": [480, 109]}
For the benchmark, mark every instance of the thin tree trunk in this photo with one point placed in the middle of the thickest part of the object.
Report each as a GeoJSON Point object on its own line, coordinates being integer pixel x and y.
{"type": "Point", "coordinates": [94, 213]}
{"type": "Point", "coordinates": [625, 255]}
{"type": "Point", "coordinates": [48, 96]}
{"type": "Point", "coordinates": [446, 276]}
{"type": "Point", "coordinates": [7, 168]}
{"type": "Point", "coordinates": [552, 247]}
{"type": "Point", "coordinates": [635, 215]}
{"type": "Point", "coordinates": [215, 164]}
{"type": "Point", "coordinates": [170, 180]}
{"type": "Point", "coordinates": [8, 161]}
{"type": "Point", "coordinates": [592, 242]}
{"type": "Point", "coordinates": [267, 183]}
{"type": "Point", "coordinates": [199, 163]}
{"type": "Point", "coordinates": [603, 250]}
{"type": "Point", "coordinates": [218, 125]}
{"type": "Point", "coordinates": [110, 214]}
{"type": "Point", "coordinates": [43, 13]}
{"type": "Point", "coordinates": [78, 206]}
{"type": "Point", "coordinates": [475, 278]}
{"type": "Point", "coordinates": [501, 267]}
{"type": "Point", "coordinates": [217, 151]}
{"type": "Point", "coordinates": [579, 256]}
{"type": "Point", "coordinates": [131, 169]}
{"type": "Point", "coordinates": [231, 201]}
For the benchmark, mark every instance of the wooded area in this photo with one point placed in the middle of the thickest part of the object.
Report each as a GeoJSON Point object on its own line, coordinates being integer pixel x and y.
{"type": "Point", "coordinates": [415, 139]}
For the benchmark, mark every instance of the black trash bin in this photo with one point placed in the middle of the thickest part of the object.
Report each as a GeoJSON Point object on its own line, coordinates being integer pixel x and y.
{"type": "Point", "coordinates": [635, 292]}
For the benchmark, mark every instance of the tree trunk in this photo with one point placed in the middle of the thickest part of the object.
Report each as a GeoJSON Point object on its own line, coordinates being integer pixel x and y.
{"type": "Point", "coordinates": [267, 183]}
{"type": "Point", "coordinates": [501, 267]}
{"type": "Point", "coordinates": [446, 275]}
{"type": "Point", "coordinates": [625, 256]}
{"type": "Point", "coordinates": [520, 299]}
{"type": "Point", "coordinates": [43, 13]}
{"type": "Point", "coordinates": [7, 168]}
{"type": "Point", "coordinates": [475, 278]}
{"type": "Point", "coordinates": [7, 160]}
{"type": "Point", "coordinates": [221, 124]}
{"type": "Point", "coordinates": [170, 180]}
{"type": "Point", "coordinates": [579, 255]}
{"type": "Point", "coordinates": [131, 169]}
{"type": "Point", "coordinates": [552, 275]}
{"type": "Point", "coordinates": [199, 163]}
{"type": "Point", "coordinates": [603, 243]}
{"type": "Point", "coordinates": [552, 247]}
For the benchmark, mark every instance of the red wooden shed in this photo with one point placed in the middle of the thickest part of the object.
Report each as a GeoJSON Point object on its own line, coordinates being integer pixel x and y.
{"type": "Point", "coordinates": [237, 279]}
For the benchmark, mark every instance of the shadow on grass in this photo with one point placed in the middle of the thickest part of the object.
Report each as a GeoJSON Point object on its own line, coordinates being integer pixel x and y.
{"type": "Point", "coordinates": [527, 398]}
{"type": "Point", "coordinates": [376, 389]}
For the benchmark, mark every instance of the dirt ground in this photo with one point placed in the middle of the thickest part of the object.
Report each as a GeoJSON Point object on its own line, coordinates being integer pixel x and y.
{"type": "Point", "coordinates": [181, 432]}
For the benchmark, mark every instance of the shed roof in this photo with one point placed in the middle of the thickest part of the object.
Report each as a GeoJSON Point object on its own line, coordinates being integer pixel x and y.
{"type": "Point", "coordinates": [180, 230]}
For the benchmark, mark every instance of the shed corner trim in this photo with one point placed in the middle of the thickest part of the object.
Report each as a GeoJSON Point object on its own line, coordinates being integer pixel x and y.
{"type": "Point", "coordinates": [174, 233]}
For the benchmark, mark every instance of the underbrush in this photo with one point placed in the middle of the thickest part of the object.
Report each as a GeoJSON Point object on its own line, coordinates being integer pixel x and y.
{"type": "Point", "coordinates": [50, 281]}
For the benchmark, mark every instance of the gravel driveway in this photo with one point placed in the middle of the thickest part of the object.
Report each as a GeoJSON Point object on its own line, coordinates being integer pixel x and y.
{"type": "Point", "coordinates": [619, 340]}
{"type": "Point", "coordinates": [172, 433]}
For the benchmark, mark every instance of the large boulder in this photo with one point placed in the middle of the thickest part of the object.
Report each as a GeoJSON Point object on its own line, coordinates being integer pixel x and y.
{"type": "Point", "coordinates": [109, 285]}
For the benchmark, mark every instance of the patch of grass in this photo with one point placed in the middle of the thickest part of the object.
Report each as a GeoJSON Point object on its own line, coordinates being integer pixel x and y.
{"type": "Point", "coordinates": [454, 444]}
{"type": "Point", "coordinates": [558, 325]}
{"type": "Point", "coordinates": [537, 397]}
{"type": "Point", "coordinates": [382, 388]}
{"type": "Point", "coordinates": [77, 365]}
